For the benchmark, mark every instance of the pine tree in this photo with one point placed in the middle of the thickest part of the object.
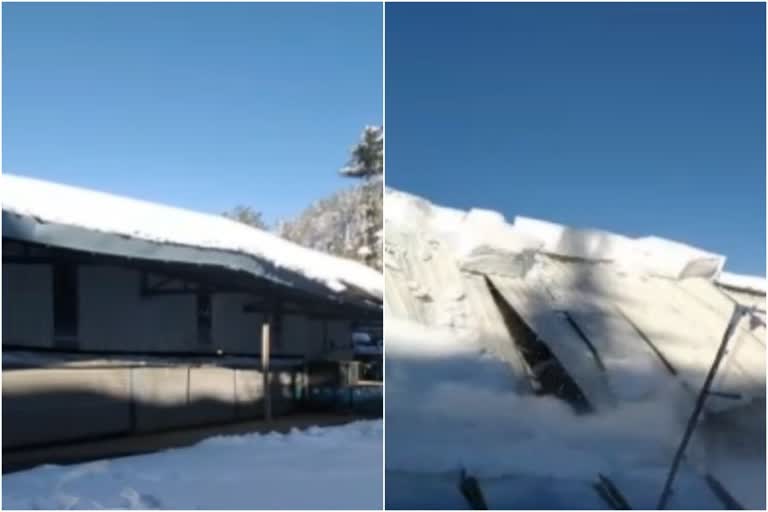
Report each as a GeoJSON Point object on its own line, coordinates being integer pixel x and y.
{"type": "Point", "coordinates": [367, 162]}
{"type": "Point", "coordinates": [350, 222]}
{"type": "Point", "coordinates": [367, 158]}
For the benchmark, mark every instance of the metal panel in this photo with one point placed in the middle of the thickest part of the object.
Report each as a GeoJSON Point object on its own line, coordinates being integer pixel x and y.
{"type": "Point", "coordinates": [543, 317]}
{"type": "Point", "coordinates": [27, 305]}
{"type": "Point", "coordinates": [632, 368]}
{"type": "Point", "coordinates": [29, 229]}
{"type": "Point", "coordinates": [52, 405]}
{"type": "Point", "coordinates": [684, 331]}
{"type": "Point", "coordinates": [494, 334]}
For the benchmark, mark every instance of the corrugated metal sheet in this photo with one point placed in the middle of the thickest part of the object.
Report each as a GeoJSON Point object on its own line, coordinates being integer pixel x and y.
{"type": "Point", "coordinates": [532, 303]}
{"type": "Point", "coordinates": [424, 283]}
{"type": "Point", "coordinates": [683, 320]}
{"type": "Point", "coordinates": [619, 333]}
{"type": "Point", "coordinates": [642, 333]}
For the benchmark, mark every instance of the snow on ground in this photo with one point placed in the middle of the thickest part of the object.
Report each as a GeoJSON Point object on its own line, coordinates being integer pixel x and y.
{"type": "Point", "coordinates": [98, 211]}
{"type": "Point", "coordinates": [320, 468]}
{"type": "Point", "coordinates": [450, 405]}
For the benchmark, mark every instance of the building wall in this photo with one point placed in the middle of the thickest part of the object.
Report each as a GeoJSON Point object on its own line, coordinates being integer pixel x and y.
{"type": "Point", "coordinates": [301, 335]}
{"type": "Point", "coordinates": [85, 402]}
{"type": "Point", "coordinates": [232, 329]}
{"type": "Point", "coordinates": [114, 316]}
{"type": "Point", "coordinates": [339, 335]}
{"type": "Point", "coordinates": [27, 305]}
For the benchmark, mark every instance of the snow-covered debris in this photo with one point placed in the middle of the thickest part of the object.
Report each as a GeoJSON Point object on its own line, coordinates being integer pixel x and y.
{"type": "Point", "coordinates": [436, 376]}
{"type": "Point", "coordinates": [101, 212]}
{"type": "Point", "coordinates": [528, 321]}
{"type": "Point", "coordinates": [754, 284]}
{"type": "Point", "coordinates": [651, 255]}
{"type": "Point", "coordinates": [320, 468]}
{"type": "Point", "coordinates": [479, 231]}
{"type": "Point", "coordinates": [668, 258]}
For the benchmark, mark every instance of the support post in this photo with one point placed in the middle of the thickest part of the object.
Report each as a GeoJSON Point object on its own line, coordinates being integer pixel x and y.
{"type": "Point", "coordinates": [738, 311]}
{"type": "Point", "coordinates": [266, 332]}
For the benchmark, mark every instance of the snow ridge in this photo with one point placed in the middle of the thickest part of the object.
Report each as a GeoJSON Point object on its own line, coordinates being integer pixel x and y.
{"type": "Point", "coordinates": [103, 212]}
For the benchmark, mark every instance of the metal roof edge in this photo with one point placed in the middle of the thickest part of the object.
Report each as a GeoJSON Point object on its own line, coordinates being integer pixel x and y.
{"type": "Point", "coordinates": [30, 229]}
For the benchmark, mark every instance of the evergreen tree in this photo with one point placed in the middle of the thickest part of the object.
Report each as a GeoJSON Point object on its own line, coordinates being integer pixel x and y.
{"type": "Point", "coordinates": [350, 222]}
{"type": "Point", "coordinates": [367, 162]}
{"type": "Point", "coordinates": [367, 158]}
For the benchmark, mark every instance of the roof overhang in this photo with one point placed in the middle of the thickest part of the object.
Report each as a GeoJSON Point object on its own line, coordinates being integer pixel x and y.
{"type": "Point", "coordinates": [29, 229]}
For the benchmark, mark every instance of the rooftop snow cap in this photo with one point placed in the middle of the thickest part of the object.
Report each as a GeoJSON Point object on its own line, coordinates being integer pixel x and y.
{"type": "Point", "coordinates": [61, 215]}
{"type": "Point", "coordinates": [476, 234]}
{"type": "Point", "coordinates": [651, 255]}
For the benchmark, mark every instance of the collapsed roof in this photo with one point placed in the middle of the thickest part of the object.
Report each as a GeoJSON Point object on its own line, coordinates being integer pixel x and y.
{"type": "Point", "coordinates": [597, 319]}
{"type": "Point", "coordinates": [73, 218]}
{"type": "Point", "coordinates": [622, 316]}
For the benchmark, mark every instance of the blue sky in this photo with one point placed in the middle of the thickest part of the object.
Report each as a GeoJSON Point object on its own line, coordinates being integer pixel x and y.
{"type": "Point", "coordinates": [637, 118]}
{"type": "Point", "coordinates": [203, 106]}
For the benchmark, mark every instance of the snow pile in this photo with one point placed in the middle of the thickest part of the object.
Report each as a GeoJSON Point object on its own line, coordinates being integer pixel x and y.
{"type": "Point", "coordinates": [452, 406]}
{"type": "Point", "coordinates": [98, 211]}
{"type": "Point", "coordinates": [436, 377]}
{"type": "Point", "coordinates": [742, 282]}
{"type": "Point", "coordinates": [320, 468]}
{"type": "Point", "coordinates": [649, 255]}
{"type": "Point", "coordinates": [483, 231]}
{"type": "Point", "coordinates": [464, 232]}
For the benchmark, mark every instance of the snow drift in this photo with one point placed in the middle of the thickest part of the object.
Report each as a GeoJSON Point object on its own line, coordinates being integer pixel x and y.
{"type": "Point", "coordinates": [320, 468]}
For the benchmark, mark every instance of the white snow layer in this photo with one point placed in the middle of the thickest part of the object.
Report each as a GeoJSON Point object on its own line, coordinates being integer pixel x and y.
{"type": "Point", "coordinates": [320, 468]}
{"type": "Point", "coordinates": [440, 377]}
{"type": "Point", "coordinates": [452, 405]}
{"type": "Point", "coordinates": [99, 211]}
{"type": "Point", "coordinates": [475, 231]}
{"type": "Point", "coordinates": [742, 282]}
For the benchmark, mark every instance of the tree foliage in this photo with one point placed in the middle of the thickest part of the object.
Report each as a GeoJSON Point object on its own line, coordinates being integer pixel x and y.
{"type": "Point", "coordinates": [350, 222]}
{"type": "Point", "coordinates": [367, 156]}
{"type": "Point", "coordinates": [246, 215]}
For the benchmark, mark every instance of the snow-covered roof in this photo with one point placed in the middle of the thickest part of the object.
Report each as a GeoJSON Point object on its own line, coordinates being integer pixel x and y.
{"type": "Point", "coordinates": [743, 282]}
{"type": "Point", "coordinates": [470, 232]}
{"type": "Point", "coordinates": [487, 320]}
{"type": "Point", "coordinates": [36, 210]}
{"type": "Point", "coordinates": [633, 298]}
